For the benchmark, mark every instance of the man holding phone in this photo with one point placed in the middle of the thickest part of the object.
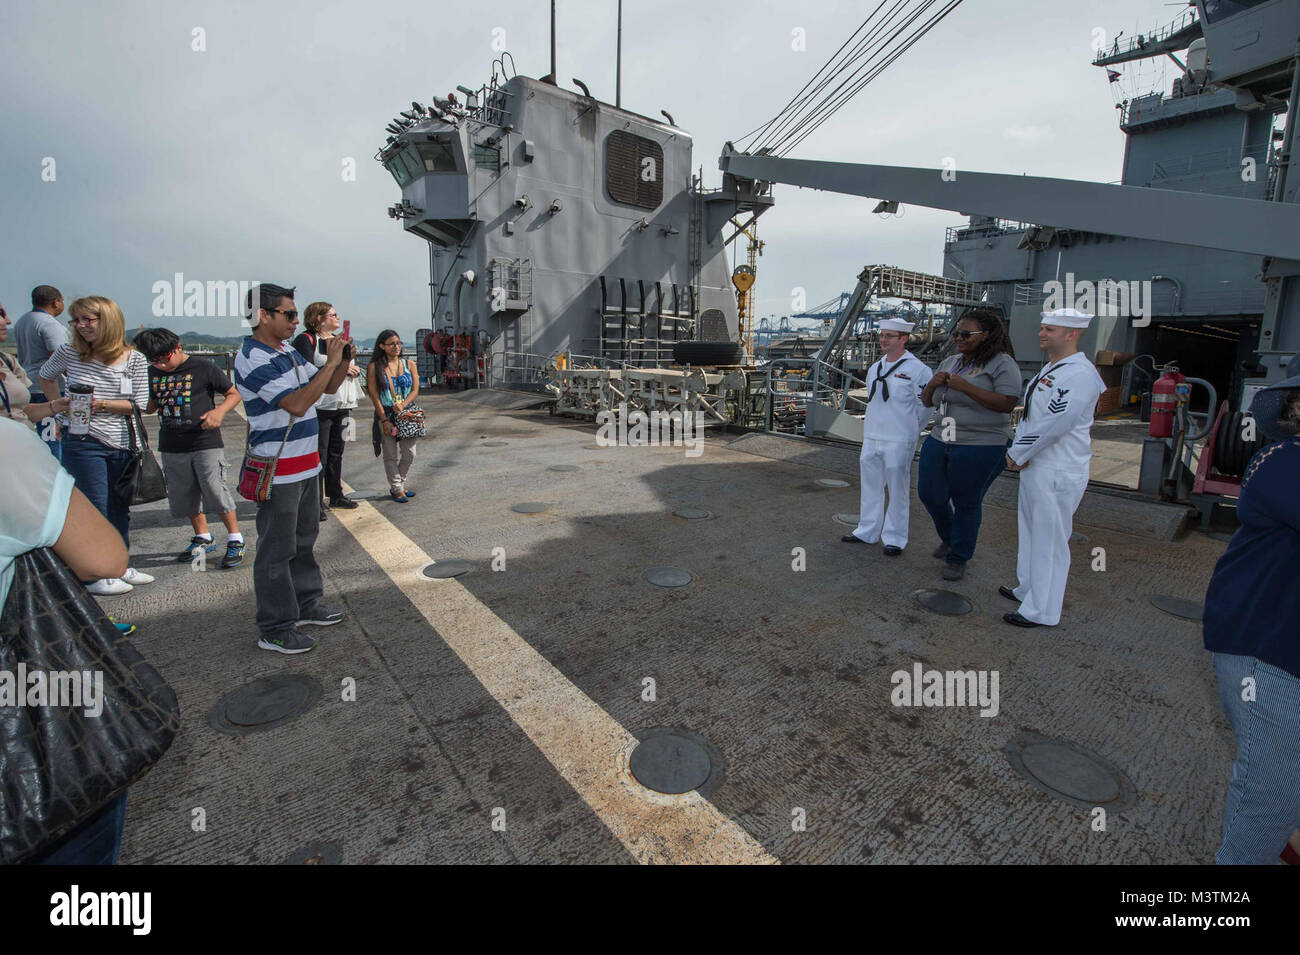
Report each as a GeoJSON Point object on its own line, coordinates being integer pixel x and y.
{"type": "Point", "coordinates": [280, 392]}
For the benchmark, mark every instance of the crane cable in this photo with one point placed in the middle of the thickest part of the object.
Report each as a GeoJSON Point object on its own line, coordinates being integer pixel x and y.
{"type": "Point", "coordinates": [810, 106]}
{"type": "Point", "coordinates": [911, 41]}
{"type": "Point", "coordinates": [804, 113]}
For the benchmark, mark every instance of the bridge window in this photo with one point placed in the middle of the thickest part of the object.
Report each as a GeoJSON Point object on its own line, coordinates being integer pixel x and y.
{"type": "Point", "coordinates": [634, 170]}
{"type": "Point", "coordinates": [437, 156]}
{"type": "Point", "coordinates": [487, 157]}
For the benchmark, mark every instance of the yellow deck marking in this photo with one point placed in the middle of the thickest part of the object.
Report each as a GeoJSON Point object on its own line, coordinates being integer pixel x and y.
{"type": "Point", "coordinates": [581, 740]}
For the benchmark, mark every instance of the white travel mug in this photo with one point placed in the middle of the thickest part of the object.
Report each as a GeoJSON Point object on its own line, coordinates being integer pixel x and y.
{"type": "Point", "coordinates": [79, 398]}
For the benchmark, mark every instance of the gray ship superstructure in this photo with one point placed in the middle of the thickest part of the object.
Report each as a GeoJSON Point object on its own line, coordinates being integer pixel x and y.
{"type": "Point", "coordinates": [1198, 307]}
{"type": "Point", "coordinates": [558, 223]}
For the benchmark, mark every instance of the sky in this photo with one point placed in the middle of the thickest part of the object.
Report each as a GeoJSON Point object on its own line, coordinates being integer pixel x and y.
{"type": "Point", "coordinates": [128, 154]}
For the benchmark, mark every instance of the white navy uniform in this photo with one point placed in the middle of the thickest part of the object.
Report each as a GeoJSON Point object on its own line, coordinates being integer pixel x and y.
{"type": "Point", "coordinates": [895, 417]}
{"type": "Point", "coordinates": [1054, 439]}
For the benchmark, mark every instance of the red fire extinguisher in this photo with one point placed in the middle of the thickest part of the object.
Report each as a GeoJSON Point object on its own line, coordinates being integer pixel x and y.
{"type": "Point", "coordinates": [1164, 402]}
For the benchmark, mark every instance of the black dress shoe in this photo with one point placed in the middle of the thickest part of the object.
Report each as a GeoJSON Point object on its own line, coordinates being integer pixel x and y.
{"type": "Point", "coordinates": [1016, 620]}
{"type": "Point", "coordinates": [344, 502]}
{"type": "Point", "coordinates": [892, 551]}
{"type": "Point", "coordinates": [1008, 593]}
{"type": "Point", "coordinates": [852, 539]}
{"type": "Point", "coordinates": [324, 513]}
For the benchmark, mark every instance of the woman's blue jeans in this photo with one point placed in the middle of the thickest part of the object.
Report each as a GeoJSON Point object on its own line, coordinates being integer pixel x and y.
{"type": "Point", "coordinates": [951, 483]}
{"type": "Point", "coordinates": [95, 468]}
{"type": "Point", "coordinates": [1263, 802]}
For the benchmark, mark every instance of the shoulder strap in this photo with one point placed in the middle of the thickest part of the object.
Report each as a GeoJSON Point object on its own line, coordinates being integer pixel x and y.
{"type": "Point", "coordinates": [293, 353]}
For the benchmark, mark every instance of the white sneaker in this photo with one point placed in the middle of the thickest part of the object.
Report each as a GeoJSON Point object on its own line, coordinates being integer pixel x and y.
{"type": "Point", "coordinates": [109, 587]}
{"type": "Point", "coordinates": [133, 576]}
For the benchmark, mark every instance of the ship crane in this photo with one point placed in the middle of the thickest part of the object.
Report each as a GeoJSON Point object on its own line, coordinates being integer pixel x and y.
{"type": "Point", "coordinates": [1261, 73]}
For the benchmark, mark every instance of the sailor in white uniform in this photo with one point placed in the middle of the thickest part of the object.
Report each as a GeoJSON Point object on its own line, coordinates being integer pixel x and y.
{"type": "Point", "coordinates": [1051, 449]}
{"type": "Point", "coordinates": [895, 417]}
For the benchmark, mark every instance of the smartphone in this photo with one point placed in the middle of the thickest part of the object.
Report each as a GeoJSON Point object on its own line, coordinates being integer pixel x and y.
{"type": "Point", "coordinates": [347, 328]}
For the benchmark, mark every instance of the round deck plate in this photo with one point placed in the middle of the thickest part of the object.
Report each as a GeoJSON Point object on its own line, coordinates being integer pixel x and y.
{"type": "Point", "coordinates": [1178, 606]}
{"type": "Point", "coordinates": [1220, 536]}
{"type": "Point", "coordinates": [597, 447]}
{"type": "Point", "coordinates": [849, 520]}
{"type": "Point", "coordinates": [693, 513]}
{"type": "Point", "coordinates": [564, 467]}
{"type": "Point", "coordinates": [494, 444]}
{"type": "Point", "coordinates": [447, 567]}
{"type": "Point", "coordinates": [703, 477]}
{"type": "Point", "coordinates": [264, 704]}
{"type": "Point", "coordinates": [673, 761]}
{"type": "Point", "coordinates": [668, 577]}
{"type": "Point", "coordinates": [322, 853]}
{"type": "Point", "coordinates": [1077, 538]}
{"type": "Point", "coordinates": [946, 602]}
{"type": "Point", "coordinates": [1070, 772]}
{"type": "Point", "coordinates": [832, 482]}
{"type": "Point", "coordinates": [442, 464]}
{"type": "Point", "coordinates": [530, 507]}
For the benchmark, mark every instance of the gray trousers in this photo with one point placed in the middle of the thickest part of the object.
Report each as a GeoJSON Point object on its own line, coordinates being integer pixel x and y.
{"type": "Point", "coordinates": [286, 577]}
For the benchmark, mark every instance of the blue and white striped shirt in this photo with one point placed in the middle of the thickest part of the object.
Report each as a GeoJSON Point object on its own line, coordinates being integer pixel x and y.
{"type": "Point", "coordinates": [265, 375]}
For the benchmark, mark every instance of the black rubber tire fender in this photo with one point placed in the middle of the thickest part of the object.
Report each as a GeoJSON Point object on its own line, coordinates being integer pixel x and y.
{"type": "Point", "coordinates": [708, 353]}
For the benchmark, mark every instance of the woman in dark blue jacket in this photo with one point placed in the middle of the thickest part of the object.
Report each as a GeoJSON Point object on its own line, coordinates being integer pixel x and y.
{"type": "Point", "coordinates": [1252, 626]}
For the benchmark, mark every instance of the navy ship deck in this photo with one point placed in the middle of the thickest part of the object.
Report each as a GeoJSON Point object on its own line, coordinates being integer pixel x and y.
{"type": "Point", "coordinates": [514, 697]}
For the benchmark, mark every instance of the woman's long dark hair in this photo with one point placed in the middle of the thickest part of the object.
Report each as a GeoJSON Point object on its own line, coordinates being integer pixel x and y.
{"type": "Point", "coordinates": [372, 370]}
{"type": "Point", "coordinates": [998, 340]}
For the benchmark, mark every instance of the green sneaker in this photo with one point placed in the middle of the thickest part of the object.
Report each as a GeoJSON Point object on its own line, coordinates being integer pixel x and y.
{"type": "Point", "coordinates": [286, 641]}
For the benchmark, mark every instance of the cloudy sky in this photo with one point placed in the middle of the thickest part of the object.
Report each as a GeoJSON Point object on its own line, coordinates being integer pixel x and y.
{"type": "Point", "coordinates": [126, 155]}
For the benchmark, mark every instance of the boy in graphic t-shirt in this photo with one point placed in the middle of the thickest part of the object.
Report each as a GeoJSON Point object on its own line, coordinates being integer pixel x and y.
{"type": "Point", "coordinates": [191, 396]}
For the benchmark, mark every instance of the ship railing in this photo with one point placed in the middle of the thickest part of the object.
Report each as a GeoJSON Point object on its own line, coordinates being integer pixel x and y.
{"type": "Point", "coordinates": [493, 107]}
{"type": "Point", "coordinates": [1140, 42]}
{"type": "Point", "coordinates": [518, 369]}
{"type": "Point", "coordinates": [783, 404]}
{"type": "Point", "coordinates": [1167, 299]}
{"type": "Point", "coordinates": [998, 227]}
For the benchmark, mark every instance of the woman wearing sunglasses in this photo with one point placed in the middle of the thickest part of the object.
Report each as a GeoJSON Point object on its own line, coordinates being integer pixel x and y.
{"type": "Point", "coordinates": [974, 391]}
{"type": "Point", "coordinates": [118, 377]}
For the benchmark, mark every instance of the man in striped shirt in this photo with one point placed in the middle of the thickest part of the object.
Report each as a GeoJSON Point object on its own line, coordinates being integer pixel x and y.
{"type": "Point", "coordinates": [280, 391]}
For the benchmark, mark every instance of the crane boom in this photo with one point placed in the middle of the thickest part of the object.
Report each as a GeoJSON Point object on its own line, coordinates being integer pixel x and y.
{"type": "Point", "coordinates": [1226, 223]}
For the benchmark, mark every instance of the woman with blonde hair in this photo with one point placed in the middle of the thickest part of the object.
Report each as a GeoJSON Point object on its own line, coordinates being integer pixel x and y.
{"type": "Point", "coordinates": [98, 357]}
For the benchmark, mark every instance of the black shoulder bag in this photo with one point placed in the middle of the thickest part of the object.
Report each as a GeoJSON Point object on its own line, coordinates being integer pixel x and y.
{"type": "Point", "coordinates": [142, 480]}
{"type": "Point", "coordinates": [60, 762]}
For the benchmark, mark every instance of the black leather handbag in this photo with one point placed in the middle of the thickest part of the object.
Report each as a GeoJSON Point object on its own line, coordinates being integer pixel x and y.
{"type": "Point", "coordinates": [142, 480]}
{"type": "Point", "coordinates": [60, 763]}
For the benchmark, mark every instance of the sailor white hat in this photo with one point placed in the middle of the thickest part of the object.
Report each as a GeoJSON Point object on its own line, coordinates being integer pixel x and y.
{"type": "Point", "coordinates": [1067, 318]}
{"type": "Point", "coordinates": [896, 325]}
